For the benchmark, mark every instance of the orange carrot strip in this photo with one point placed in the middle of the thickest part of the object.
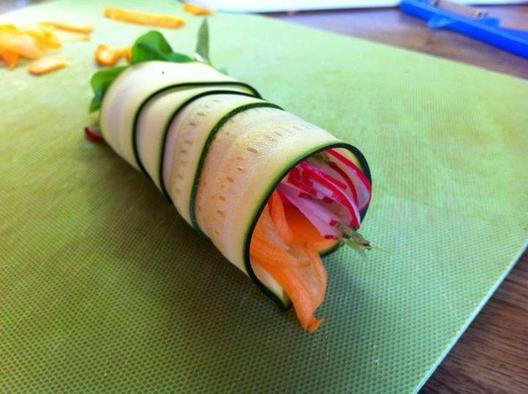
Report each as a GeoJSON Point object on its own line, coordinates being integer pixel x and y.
{"type": "Point", "coordinates": [143, 18]}
{"type": "Point", "coordinates": [194, 9]}
{"type": "Point", "coordinates": [73, 27]}
{"type": "Point", "coordinates": [105, 55]}
{"type": "Point", "coordinates": [299, 295]}
{"type": "Point", "coordinates": [298, 270]}
{"type": "Point", "coordinates": [304, 232]}
{"type": "Point", "coordinates": [10, 59]}
{"type": "Point", "coordinates": [47, 65]}
{"type": "Point", "coordinates": [279, 217]}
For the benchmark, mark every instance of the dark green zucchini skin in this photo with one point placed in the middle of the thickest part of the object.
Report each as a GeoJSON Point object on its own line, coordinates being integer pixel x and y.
{"type": "Point", "coordinates": [261, 204]}
{"type": "Point", "coordinates": [190, 85]}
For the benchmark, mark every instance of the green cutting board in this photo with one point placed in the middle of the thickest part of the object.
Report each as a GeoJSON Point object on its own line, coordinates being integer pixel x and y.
{"type": "Point", "coordinates": [104, 288]}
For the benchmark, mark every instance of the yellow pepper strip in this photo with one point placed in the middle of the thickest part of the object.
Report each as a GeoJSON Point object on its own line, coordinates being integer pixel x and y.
{"type": "Point", "coordinates": [8, 28]}
{"type": "Point", "coordinates": [143, 18]}
{"type": "Point", "coordinates": [10, 59]}
{"type": "Point", "coordinates": [47, 65]}
{"type": "Point", "coordinates": [126, 51]}
{"type": "Point", "coordinates": [73, 27]}
{"type": "Point", "coordinates": [29, 41]}
{"type": "Point", "coordinates": [196, 10]}
{"type": "Point", "coordinates": [44, 35]}
{"type": "Point", "coordinates": [22, 44]}
{"type": "Point", "coordinates": [106, 55]}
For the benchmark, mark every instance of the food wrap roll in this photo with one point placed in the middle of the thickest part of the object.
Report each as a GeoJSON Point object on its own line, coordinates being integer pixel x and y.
{"type": "Point", "coordinates": [216, 149]}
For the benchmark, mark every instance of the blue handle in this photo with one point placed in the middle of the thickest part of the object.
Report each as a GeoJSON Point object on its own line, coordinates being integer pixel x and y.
{"type": "Point", "coordinates": [483, 29]}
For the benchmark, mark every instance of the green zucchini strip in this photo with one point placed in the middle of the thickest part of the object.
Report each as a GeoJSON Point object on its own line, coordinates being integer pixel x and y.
{"type": "Point", "coordinates": [170, 87]}
{"type": "Point", "coordinates": [212, 133]}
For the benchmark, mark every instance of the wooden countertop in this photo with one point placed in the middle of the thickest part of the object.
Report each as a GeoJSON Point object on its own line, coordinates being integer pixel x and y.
{"type": "Point", "coordinates": [492, 356]}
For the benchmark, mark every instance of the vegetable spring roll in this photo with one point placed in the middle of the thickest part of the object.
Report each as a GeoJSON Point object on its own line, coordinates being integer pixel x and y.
{"type": "Point", "coordinates": [271, 191]}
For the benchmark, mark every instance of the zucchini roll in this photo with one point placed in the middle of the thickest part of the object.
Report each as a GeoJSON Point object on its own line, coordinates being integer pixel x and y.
{"type": "Point", "coordinates": [271, 191]}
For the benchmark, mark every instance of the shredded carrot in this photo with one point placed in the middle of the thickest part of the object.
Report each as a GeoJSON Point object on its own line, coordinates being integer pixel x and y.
{"type": "Point", "coordinates": [194, 9]}
{"type": "Point", "coordinates": [304, 232]}
{"type": "Point", "coordinates": [72, 27]}
{"type": "Point", "coordinates": [143, 18]}
{"type": "Point", "coordinates": [279, 217]}
{"type": "Point", "coordinates": [298, 269]}
{"type": "Point", "coordinates": [105, 55]}
{"type": "Point", "coordinates": [10, 59]}
{"type": "Point", "coordinates": [47, 65]}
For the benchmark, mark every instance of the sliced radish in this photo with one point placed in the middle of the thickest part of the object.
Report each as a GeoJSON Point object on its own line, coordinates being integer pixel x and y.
{"type": "Point", "coordinates": [323, 220]}
{"type": "Point", "coordinates": [331, 166]}
{"type": "Point", "coordinates": [359, 179]}
{"type": "Point", "coordinates": [335, 172]}
{"type": "Point", "coordinates": [323, 181]}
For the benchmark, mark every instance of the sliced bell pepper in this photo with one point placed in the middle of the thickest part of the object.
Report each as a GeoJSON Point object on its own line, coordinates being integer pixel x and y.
{"type": "Point", "coordinates": [46, 65]}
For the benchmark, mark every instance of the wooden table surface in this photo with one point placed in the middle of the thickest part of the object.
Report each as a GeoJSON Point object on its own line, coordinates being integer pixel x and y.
{"type": "Point", "coordinates": [492, 356]}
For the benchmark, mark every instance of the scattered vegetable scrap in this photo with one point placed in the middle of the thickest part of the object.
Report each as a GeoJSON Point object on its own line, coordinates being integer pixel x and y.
{"type": "Point", "coordinates": [9, 58]}
{"type": "Point", "coordinates": [73, 27]}
{"type": "Point", "coordinates": [143, 18]}
{"type": "Point", "coordinates": [194, 9]}
{"type": "Point", "coordinates": [106, 55]}
{"type": "Point", "coordinates": [37, 40]}
{"type": "Point", "coordinates": [29, 42]}
{"type": "Point", "coordinates": [126, 51]}
{"type": "Point", "coordinates": [47, 64]}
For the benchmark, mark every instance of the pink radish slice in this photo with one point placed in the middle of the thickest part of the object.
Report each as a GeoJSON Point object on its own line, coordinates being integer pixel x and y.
{"type": "Point", "coordinates": [348, 181]}
{"type": "Point", "coordinates": [348, 209]}
{"type": "Point", "coordinates": [93, 136]}
{"type": "Point", "coordinates": [334, 171]}
{"type": "Point", "coordinates": [323, 174]}
{"type": "Point", "coordinates": [320, 217]}
{"type": "Point", "coordinates": [338, 195]}
{"type": "Point", "coordinates": [359, 179]}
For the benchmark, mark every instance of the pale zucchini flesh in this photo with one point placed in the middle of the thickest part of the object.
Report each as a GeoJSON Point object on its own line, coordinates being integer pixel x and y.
{"type": "Point", "coordinates": [188, 137]}
{"type": "Point", "coordinates": [133, 87]}
{"type": "Point", "coordinates": [154, 120]}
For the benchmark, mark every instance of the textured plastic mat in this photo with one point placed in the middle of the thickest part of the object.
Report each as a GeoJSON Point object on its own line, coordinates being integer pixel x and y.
{"type": "Point", "coordinates": [104, 287]}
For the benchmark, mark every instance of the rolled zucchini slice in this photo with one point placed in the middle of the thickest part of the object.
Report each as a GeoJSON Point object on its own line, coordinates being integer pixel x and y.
{"type": "Point", "coordinates": [214, 147]}
{"type": "Point", "coordinates": [136, 85]}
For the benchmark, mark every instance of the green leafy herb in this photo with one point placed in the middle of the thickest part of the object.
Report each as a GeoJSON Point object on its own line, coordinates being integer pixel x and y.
{"type": "Point", "coordinates": [150, 46]}
{"type": "Point", "coordinates": [100, 83]}
{"type": "Point", "coordinates": [179, 58]}
{"type": "Point", "coordinates": [202, 47]}
{"type": "Point", "coordinates": [153, 46]}
{"type": "Point", "coordinates": [355, 239]}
